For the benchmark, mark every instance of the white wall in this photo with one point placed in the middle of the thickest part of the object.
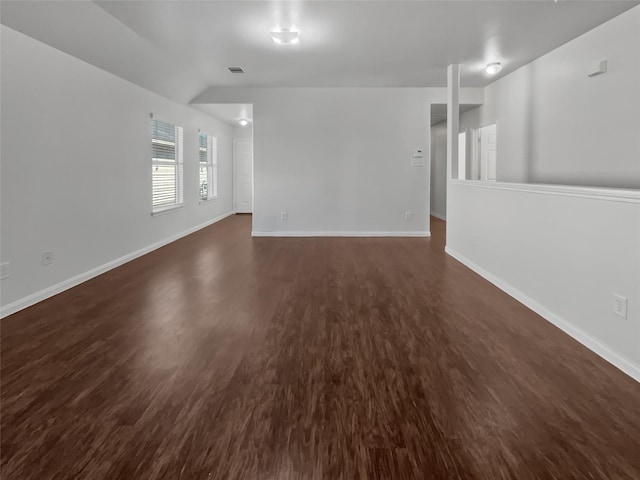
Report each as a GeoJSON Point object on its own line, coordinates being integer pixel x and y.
{"type": "Point", "coordinates": [439, 169]}
{"type": "Point", "coordinates": [564, 251]}
{"type": "Point", "coordinates": [76, 157]}
{"type": "Point", "coordinates": [556, 125]}
{"type": "Point", "coordinates": [338, 160]}
{"type": "Point", "coordinates": [243, 132]}
{"type": "Point", "coordinates": [562, 255]}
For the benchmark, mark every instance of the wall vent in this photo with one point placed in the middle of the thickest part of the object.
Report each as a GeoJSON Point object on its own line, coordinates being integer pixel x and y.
{"type": "Point", "coordinates": [236, 70]}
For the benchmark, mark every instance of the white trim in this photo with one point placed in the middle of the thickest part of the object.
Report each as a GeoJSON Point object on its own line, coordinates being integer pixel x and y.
{"type": "Point", "coordinates": [36, 297]}
{"type": "Point", "coordinates": [592, 343]}
{"type": "Point", "coordinates": [610, 194]}
{"type": "Point", "coordinates": [437, 215]}
{"type": "Point", "coordinates": [162, 211]}
{"type": "Point", "coordinates": [202, 200]}
{"type": "Point", "coordinates": [255, 233]}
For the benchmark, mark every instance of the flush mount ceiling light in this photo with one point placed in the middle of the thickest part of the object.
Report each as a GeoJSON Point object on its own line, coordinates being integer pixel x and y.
{"type": "Point", "coordinates": [285, 36]}
{"type": "Point", "coordinates": [493, 68]}
{"type": "Point", "coordinates": [243, 122]}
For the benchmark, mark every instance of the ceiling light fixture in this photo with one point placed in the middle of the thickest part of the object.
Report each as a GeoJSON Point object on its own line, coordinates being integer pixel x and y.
{"type": "Point", "coordinates": [285, 36]}
{"type": "Point", "coordinates": [493, 68]}
{"type": "Point", "coordinates": [243, 122]}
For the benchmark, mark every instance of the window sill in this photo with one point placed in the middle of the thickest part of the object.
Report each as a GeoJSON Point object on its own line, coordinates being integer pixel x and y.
{"type": "Point", "coordinates": [162, 211]}
{"type": "Point", "coordinates": [208, 200]}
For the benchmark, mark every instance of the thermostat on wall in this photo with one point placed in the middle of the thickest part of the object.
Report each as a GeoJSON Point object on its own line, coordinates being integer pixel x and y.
{"type": "Point", "coordinates": [418, 158]}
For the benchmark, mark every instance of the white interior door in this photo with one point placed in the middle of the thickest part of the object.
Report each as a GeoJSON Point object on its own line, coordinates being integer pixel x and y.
{"type": "Point", "coordinates": [488, 138]}
{"type": "Point", "coordinates": [243, 168]}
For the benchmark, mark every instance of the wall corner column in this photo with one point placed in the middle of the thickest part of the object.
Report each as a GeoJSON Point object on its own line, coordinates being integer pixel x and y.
{"type": "Point", "coordinates": [453, 127]}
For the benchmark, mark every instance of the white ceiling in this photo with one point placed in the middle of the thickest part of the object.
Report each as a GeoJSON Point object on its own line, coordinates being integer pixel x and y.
{"type": "Point", "coordinates": [228, 112]}
{"type": "Point", "coordinates": [439, 111]}
{"type": "Point", "coordinates": [181, 48]}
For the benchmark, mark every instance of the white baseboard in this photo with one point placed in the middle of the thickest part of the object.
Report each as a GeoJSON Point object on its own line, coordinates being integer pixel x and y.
{"type": "Point", "coordinates": [437, 215]}
{"type": "Point", "coordinates": [36, 297]}
{"type": "Point", "coordinates": [593, 344]}
{"type": "Point", "coordinates": [339, 234]}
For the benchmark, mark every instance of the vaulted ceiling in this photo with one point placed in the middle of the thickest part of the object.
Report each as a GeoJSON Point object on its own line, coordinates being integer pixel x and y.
{"type": "Point", "coordinates": [181, 48]}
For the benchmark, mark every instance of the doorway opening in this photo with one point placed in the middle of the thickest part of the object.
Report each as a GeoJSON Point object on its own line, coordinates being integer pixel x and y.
{"type": "Point", "coordinates": [235, 149]}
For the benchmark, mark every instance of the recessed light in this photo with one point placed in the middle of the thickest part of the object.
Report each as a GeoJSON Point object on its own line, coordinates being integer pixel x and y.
{"type": "Point", "coordinates": [243, 122]}
{"type": "Point", "coordinates": [286, 36]}
{"type": "Point", "coordinates": [493, 68]}
{"type": "Point", "coordinates": [236, 70]}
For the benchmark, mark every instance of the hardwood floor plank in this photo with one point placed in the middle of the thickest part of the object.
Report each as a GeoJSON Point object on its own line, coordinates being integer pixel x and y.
{"type": "Point", "coordinates": [222, 356]}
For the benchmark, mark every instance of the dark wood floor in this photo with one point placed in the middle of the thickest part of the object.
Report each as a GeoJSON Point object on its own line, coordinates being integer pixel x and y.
{"type": "Point", "coordinates": [225, 357]}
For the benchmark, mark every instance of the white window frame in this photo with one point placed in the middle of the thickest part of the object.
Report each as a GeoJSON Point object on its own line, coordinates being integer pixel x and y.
{"type": "Point", "coordinates": [177, 162]}
{"type": "Point", "coordinates": [210, 165]}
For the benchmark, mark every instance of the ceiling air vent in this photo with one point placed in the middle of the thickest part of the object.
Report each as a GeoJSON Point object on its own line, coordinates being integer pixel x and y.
{"type": "Point", "coordinates": [236, 70]}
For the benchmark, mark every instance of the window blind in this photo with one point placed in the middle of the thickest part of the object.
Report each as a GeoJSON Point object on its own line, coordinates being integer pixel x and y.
{"type": "Point", "coordinates": [167, 170]}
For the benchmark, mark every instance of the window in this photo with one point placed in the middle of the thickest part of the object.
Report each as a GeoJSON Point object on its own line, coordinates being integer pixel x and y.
{"type": "Point", "coordinates": [208, 166]}
{"type": "Point", "coordinates": [166, 143]}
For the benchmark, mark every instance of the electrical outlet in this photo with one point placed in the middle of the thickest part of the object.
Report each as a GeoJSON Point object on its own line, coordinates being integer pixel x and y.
{"type": "Point", "coordinates": [284, 215]}
{"type": "Point", "coordinates": [620, 306]}
{"type": "Point", "coordinates": [408, 215]}
{"type": "Point", "coordinates": [47, 257]}
{"type": "Point", "coordinates": [4, 270]}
